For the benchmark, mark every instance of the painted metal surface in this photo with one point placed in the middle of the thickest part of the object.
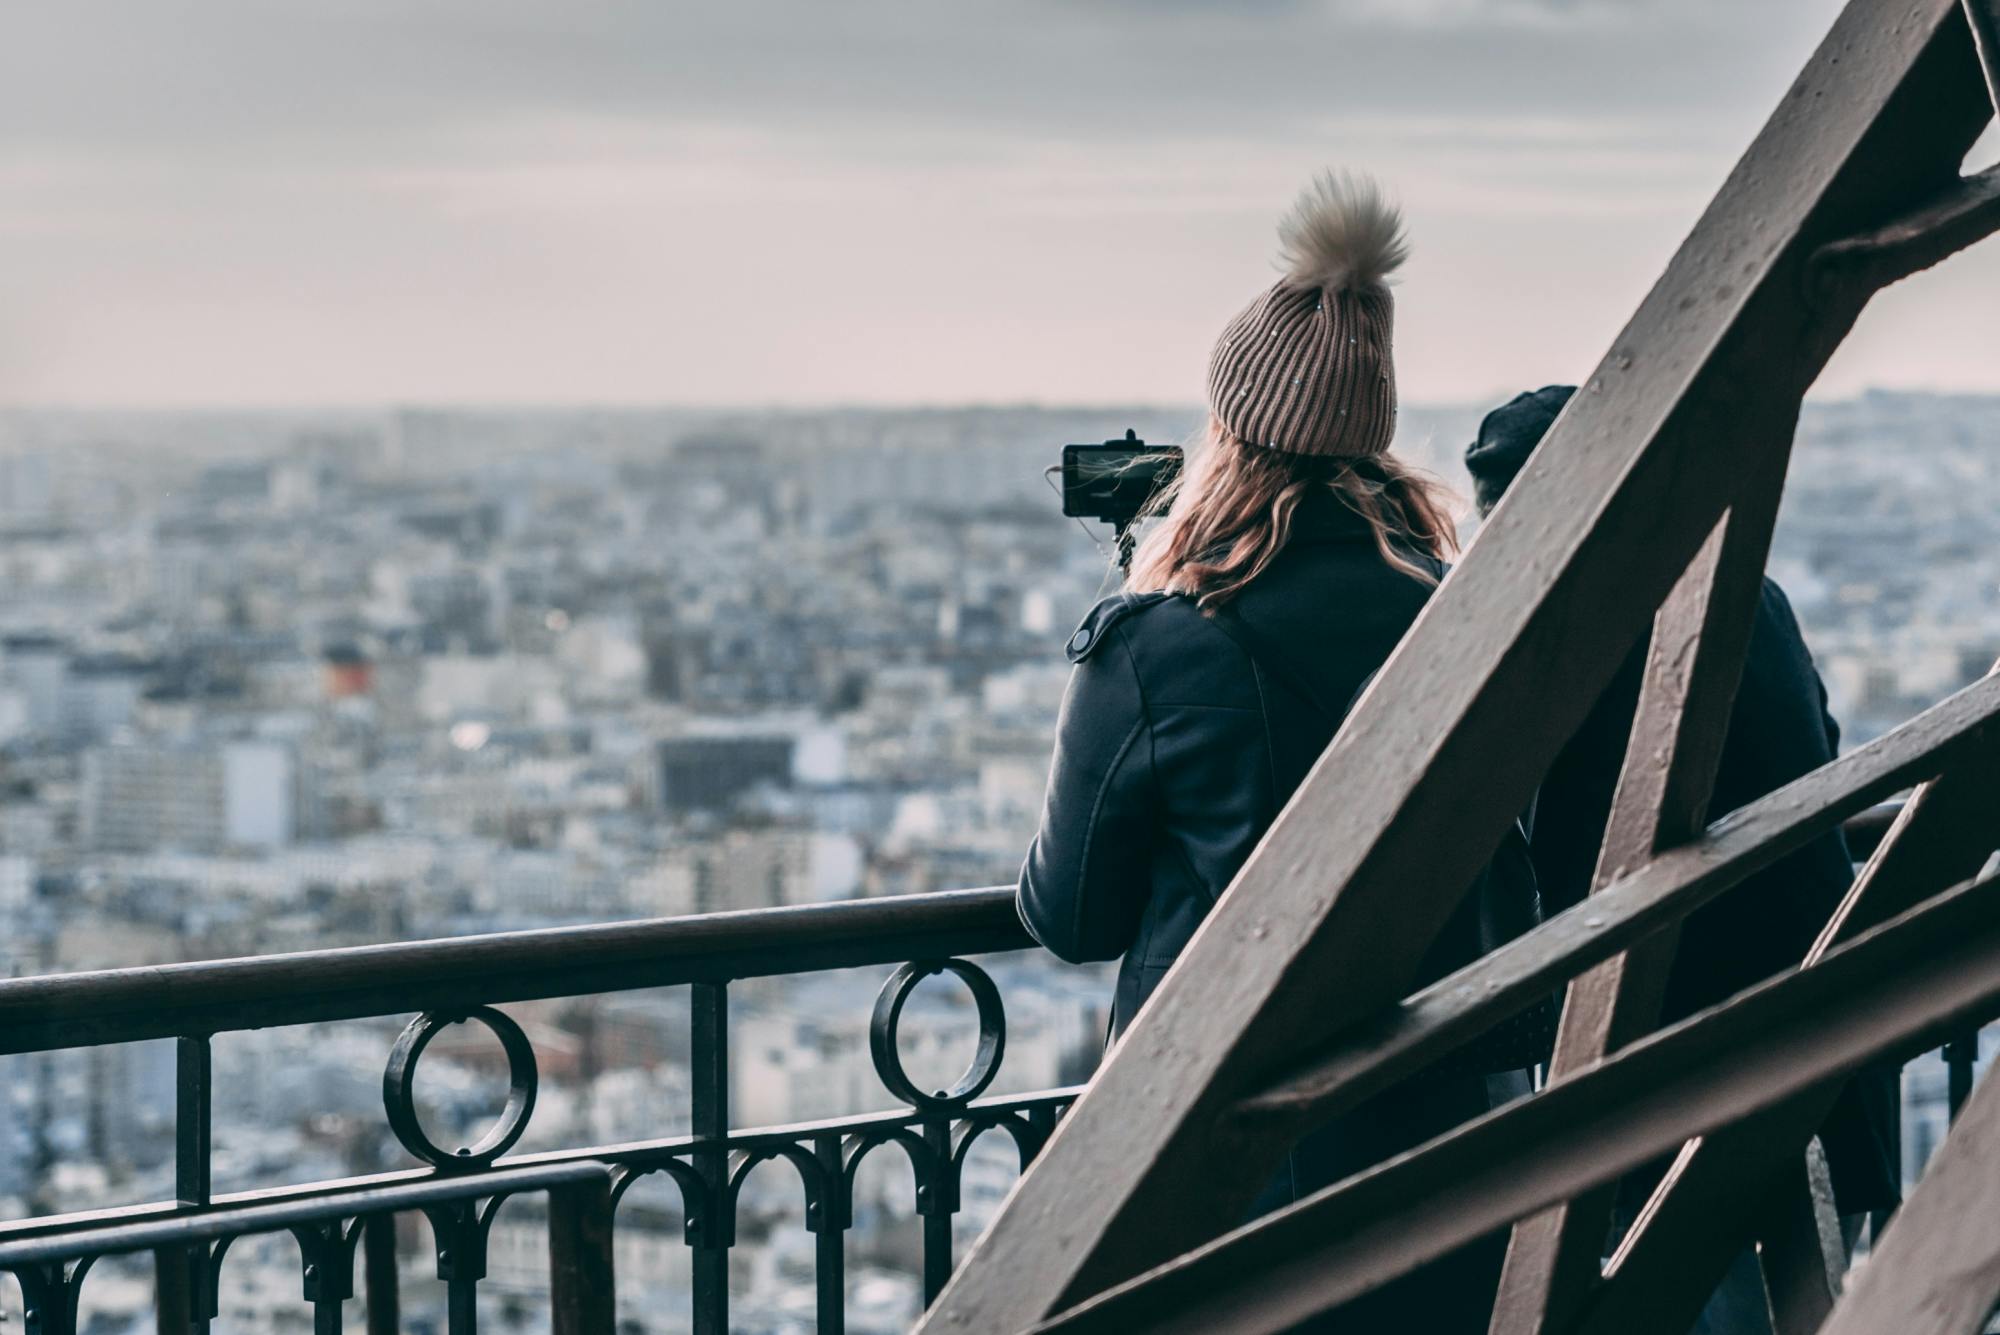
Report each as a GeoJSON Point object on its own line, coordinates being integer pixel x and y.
{"type": "Point", "coordinates": [1937, 1270]}
{"type": "Point", "coordinates": [461, 1189]}
{"type": "Point", "coordinates": [1690, 1228]}
{"type": "Point", "coordinates": [1407, 1037]}
{"type": "Point", "coordinates": [1693, 665]}
{"type": "Point", "coordinates": [1888, 991]}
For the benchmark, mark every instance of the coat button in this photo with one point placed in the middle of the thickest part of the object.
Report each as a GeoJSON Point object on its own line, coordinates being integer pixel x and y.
{"type": "Point", "coordinates": [1080, 641]}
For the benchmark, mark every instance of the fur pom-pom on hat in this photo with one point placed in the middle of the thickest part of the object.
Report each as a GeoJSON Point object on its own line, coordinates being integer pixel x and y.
{"type": "Point", "coordinates": [1342, 235]}
{"type": "Point", "coordinates": [1307, 367]}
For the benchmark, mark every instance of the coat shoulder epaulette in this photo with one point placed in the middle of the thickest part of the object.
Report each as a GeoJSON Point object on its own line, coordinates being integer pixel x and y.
{"type": "Point", "coordinates": [1096, 626]}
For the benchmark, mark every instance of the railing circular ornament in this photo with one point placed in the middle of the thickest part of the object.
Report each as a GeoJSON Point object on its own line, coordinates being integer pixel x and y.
{"type": "Point", "coordinates": [399, 1088]}
{"type": "Point", "coordinates": [883, 1027]}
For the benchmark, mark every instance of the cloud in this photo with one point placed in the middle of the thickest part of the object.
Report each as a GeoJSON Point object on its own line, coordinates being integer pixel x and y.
{"type": "Point", "coordinates": [202, 76]}
{"type": "Point", "coordinates": [210, 198]}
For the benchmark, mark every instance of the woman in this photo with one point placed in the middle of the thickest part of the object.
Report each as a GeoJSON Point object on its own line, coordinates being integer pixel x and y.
{"type": "Point", "coordinates": [1294, 553]}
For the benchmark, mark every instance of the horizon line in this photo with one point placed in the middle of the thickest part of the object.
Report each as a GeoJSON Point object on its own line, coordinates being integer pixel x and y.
{"type": "Point", "coordinates": [779, 409]}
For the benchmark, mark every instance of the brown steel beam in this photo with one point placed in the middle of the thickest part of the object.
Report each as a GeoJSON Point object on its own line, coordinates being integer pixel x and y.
{"type": "Point", "coordinates": [1693, 667]}
{"type": "Point", "coordinates": [1984, 18]}
{"type": "Point", "coordinates": [1455, 1009]}
{"type": "Point", "coordinates": [1800, 1250]}
{"type": "Point", "coordinates": [1963, 213]}
{"type": "Point", "coordinates": [1683, 1239]}
{"type": "Point", "coordinates": [1937, 1269]}
{"type": "Point", "coordinates": [1330, 918]}
{"type": "Point", "coordinates": [1903, 984]}
{"type": "Point", "coordinates": [1943, 834]}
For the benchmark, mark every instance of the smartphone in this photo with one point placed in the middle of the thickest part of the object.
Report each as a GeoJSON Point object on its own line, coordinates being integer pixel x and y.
{"type": "Point", "coordinates": [1115, 480]}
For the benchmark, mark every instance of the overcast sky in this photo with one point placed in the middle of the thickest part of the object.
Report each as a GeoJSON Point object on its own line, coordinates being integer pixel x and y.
{"type": "Point", "coordinates": [799, 201]}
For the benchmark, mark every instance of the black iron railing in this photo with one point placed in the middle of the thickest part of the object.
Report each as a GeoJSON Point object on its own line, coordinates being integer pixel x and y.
{"type": "Point", "coordinates": [460, 1191]}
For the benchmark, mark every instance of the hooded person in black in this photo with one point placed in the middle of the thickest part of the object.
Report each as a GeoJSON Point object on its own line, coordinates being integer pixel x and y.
{"type": "Point", "coordinates": [1779, 729]}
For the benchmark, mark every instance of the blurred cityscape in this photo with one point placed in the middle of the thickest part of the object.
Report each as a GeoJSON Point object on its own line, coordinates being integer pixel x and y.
{"type": "Point", "coordinates": [281, 681]}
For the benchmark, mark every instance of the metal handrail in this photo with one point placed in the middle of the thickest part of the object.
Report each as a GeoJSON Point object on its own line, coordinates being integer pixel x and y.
{"type": "Point", "coordinates": [82, 1009]}
{"type": "Point", "coordinates": [451, 980]}
{"type": "Point", "coordinates": [458, 973]}
{"type": "Point", "coordinates": [460, 978]}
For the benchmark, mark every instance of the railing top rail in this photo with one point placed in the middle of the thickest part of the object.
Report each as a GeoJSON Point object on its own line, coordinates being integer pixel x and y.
{"type": "Point", "coordinates": [81, 1009]}
{"type": "Point", "coordinates": [353, 982]}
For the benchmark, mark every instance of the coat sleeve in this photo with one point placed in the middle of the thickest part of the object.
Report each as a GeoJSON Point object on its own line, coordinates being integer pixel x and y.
{"type": "Point", "coordinates": [1827, 722]}
{"type": "Point", "coordinates": [1784, 626]}
{"type": "Point", "coordinates": [1796, 732]}
{"type": "Point", "coordinates": [1088, 874]}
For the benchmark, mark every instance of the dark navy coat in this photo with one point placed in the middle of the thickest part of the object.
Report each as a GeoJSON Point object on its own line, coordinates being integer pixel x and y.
{"type": "Point", "coordinates": [1175, 751]}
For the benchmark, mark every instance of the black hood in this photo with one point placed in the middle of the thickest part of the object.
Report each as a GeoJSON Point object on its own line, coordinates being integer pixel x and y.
{"type": "Point", "coordinates": [1508, 436]}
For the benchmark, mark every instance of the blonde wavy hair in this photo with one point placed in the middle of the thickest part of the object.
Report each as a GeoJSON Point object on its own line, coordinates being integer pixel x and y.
{"type": "Point", "coordinates": [1230, 512]}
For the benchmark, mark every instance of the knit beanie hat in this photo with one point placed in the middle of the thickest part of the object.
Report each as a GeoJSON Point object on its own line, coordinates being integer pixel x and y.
{"type": "Point", "coordinates": [1306, 367]}
{"type": "Point", "coordinates": [1507, 436]}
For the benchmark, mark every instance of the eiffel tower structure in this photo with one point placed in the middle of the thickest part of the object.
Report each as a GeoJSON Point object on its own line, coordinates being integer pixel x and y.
{"type": "Point", "coordinates": [1649, 509]}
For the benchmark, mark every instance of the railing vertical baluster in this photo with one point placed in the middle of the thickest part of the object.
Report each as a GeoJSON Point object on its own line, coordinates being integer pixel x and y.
{"type": "Point", "coordinates": [708, 1020]}
{"type": "Point", "coordinates": [461, 1307]}
{"type": "Point", "coordinates": [937, 1224]}
{"type": "Point", "coordinates": [378, 1275]}
{"type": "Point", "coordinates": [1961, 1054]}
{"type": "Point", "coordinates": [582, 1299]}
{"type": "Point", "coordinates": [192, 1119]}
{"type": "Point", "coordinates": [328, 1271]}
{"type": "Point", "coordinates": [1042, 1119]}
{"type": "Point", "coordinates": [181, 1276]}
{"type": "Point", "coordinates": [173, 1291]}
{"type": "Point", "coordinates": [836, 1215]}
{"type": "Point", "coordinates": [461, 1262]}
{"type": "Point", "coordinates": [49, 1297]}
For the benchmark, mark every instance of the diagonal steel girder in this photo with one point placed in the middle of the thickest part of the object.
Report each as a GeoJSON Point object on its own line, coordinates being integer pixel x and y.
{"type": "Point", "coordinates": [1895, 989]}
{"type": "Point", "coordinates": [1674, 1255]}
{"type": "Point", "coordinates": [1984, 18]}
{"type": "Point", "coordinates": [1330, 917]}
{"type": "Point", "coordinates": [1937, 1272]}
